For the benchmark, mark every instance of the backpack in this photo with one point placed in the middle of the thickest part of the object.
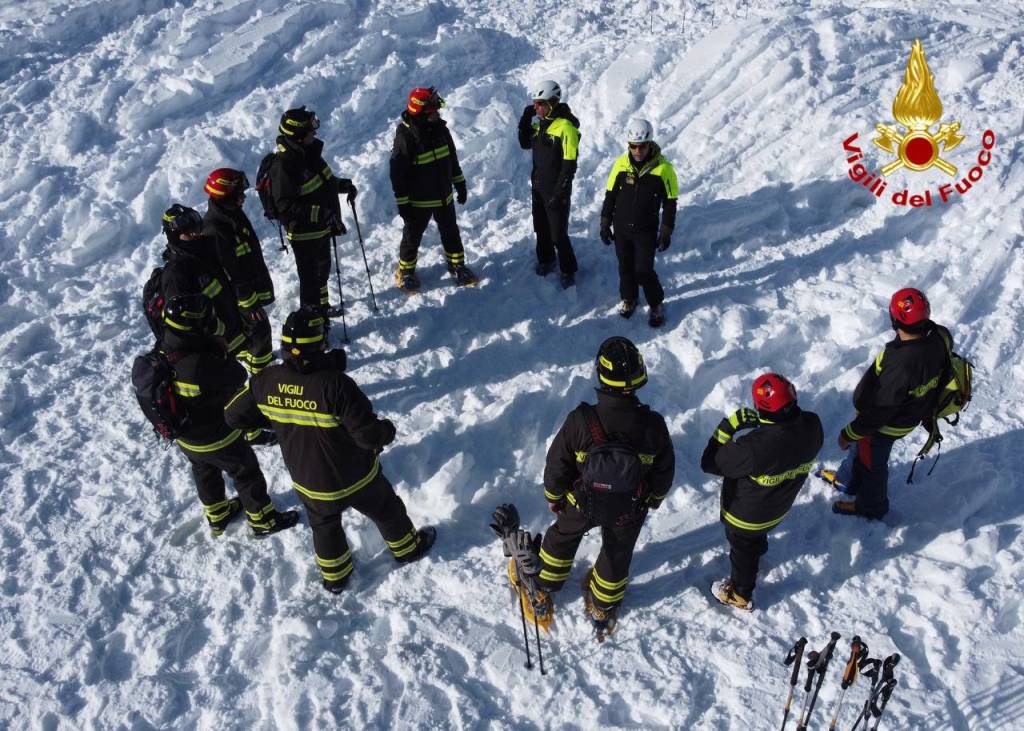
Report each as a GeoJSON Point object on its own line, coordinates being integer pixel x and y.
{"type": "Point", "coordinates": [263, 187]}
{"type": "Point", "coordinates": [952, 398]}
{"type": "Point", "coordinates": [610, 490]}
{"type": "Point", "coordinates": [152, 377]}
{"type": "Point", "coordinates": [153, 303]}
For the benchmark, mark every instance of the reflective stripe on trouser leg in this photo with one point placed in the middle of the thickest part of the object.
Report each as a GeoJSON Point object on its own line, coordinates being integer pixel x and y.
{"type": "Point", "coordinates": [448, 228]}
{"type": "Point", "coordinates": [611, 570]}
{"type": "Point", "coordinates": [559, 546]}
{"type": "Point", "coordinates": [313, 264]}
{"type": "Point", "coordinates": [745, 551]}
{"type": "Point", "coordinates": [240, 463]}
{"type": "Point", "coordinates": [379, 502]}
{"type": "Point", "coordinates": [335, 568]}
{"type": "Point", "coordinates": [415, 224]}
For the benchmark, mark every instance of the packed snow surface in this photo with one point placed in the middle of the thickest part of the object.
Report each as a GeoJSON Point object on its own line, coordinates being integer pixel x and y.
{"type": "Point", "coordinates": [119, 610]}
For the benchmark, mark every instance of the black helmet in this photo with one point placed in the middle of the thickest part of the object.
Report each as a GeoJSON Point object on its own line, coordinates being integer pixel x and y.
{"type": "Point", "coordinates": [298, 122]}
{"type": "Point", "coordinates": [191, 314]}
{"type": "Point", "coordinates": [620, 367]}
{"type": "Point", "coordinates": [304, 332]}
{"type": "Point", "coordinates": [179, 219]}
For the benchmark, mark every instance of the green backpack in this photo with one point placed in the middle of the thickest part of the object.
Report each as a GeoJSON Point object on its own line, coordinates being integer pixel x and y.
{"type": "Point", "coordinates": [952, 398]}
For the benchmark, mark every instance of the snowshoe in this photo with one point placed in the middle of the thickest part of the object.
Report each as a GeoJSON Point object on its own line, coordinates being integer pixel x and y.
{"type": "Point", "coordinates": [274, 522]}
{"type": "Point", "coordinates": [725, 594]}
{"type": "Point", "coordinates": [627, 308]}
{"type": "Point", "coordinates": [544, 268]}
{"type": "Point", "coordinates": [656, 317]}
{"type": "Point", "coordinates": [425, 538]}
{"type": "Point", "coordinates": [407, 281]}
{"type": "Point", "coordinates": [604, 621]}
{"type": "Point", "coordinates": [464, 277]}
{"type": "Point", "coordinates": [568, 279]}
{"type": "Point", "coordinates": [537, 603]}
{"type": "Point", "coordinates": [831, 478]}
{"type": "Point", "coordinates": [234, 508]}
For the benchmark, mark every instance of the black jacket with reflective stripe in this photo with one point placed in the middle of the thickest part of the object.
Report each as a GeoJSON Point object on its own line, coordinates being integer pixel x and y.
{"type": "Point", "coordinates": [240, 254]}
{"type": "Point", "coordinates": [305, 189]}
{"type": "Point", "coordinates": [764, 469]}
{"type": "Point", "coordinates": [424, 163]}
{"type": "Point", "coordinates": [328, 432]}
{"type": "Point", "coordinates": [637, 192]}
{"type": "Point", "coordinates": [204, 379]}
{"type": "Point", "coordinates": [622, 417]}
{"type": "Point", "coordinates": [554, 141]}
{"type": "Point", "coordinates": [899, 387]}
{"type": "Point", "coordinates": [193, 268]}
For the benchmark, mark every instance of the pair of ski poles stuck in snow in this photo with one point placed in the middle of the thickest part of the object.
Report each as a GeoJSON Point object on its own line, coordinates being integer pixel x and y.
{"type": "Point", "coordinates": [340, 309]}
{"type": "Point", "coordinates": [880, 672]}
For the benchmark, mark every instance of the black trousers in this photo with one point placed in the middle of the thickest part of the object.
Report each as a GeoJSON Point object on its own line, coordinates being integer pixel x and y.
{"type": "Point", "coordinates": [415, 226]}
{"type": "Point", "coordinates": [551, 224]}
{"type": "Point", "coordinates": [611, 570]}
{"type": "Point", "coordinates": [313, 262]}
{"type": "Point", "coordinates": [378, 502]}
{"type": "Point", "coordinates": [240, 463]}
{"type": "Point", "coordinates": [745, 551]}
{"type": "Point", "coordinates": [636, 266]}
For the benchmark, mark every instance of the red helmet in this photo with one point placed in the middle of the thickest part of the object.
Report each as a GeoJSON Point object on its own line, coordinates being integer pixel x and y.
{"type": "Point", "coordinates": [772, 392]}
{"type": "Point", "coordinates": [225, 183]}
{"type": "Point", "coordinates": [909, 307]}
{"type": "Point", "coordinates": [424, 100]}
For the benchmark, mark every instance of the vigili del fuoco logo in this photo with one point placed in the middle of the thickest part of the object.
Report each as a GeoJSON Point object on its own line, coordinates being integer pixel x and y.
{"type": "Point", "coordinates": [914, 147]}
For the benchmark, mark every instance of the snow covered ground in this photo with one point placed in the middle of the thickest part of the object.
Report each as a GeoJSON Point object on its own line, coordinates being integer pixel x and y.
{"type": "Point", "coordinates": [118, 610]}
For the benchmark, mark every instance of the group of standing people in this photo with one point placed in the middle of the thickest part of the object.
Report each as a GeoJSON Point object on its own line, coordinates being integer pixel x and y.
{"type": "Point", "coordinates": [207, 308]}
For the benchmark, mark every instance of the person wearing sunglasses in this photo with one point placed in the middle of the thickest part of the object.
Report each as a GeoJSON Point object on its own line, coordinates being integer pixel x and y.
{"type": "Point", "coordinates": [552, 133]}
{"type": "Point", "coordinates": [305, 192]}
{"type": "Point", "coordinates": [642, 183]}
{"type": "Point", "coordinates": [241, 256]}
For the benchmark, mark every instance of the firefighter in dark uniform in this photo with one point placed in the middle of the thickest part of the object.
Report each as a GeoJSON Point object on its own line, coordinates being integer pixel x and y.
{"type": "Point", "coordinates": [618, 415]}
{"type": "Point", "coordinates": [764, 470]}
{"type": "Point", "coordinates": [193, 268]}
{"type": "Point", "coordinates": [424, 169]}
{"type": "Point", "coordinates": [204, 379]}
{"type": "Point", "coordinates": [305, 193]}
{"type": "Point", "coordinates": [241, 257]}
{"type": "Point", "coordinates": [892, 398]}
{"type": "Point", "coordinates": [331, 442]}
{"type": "Point", "coordinates": [641, 183]}
{"type": "Point", "coordinates": [553, 140]}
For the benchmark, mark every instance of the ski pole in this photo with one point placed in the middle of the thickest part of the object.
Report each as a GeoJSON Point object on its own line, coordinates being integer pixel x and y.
{"type": "Point", "coordinates": [341, 296]}
{"type": "Point", "coordinates": [869, 668]}
{"type": "Point", "coordinates": [858, 651]}
{"type": "Point", "coordinates": [879, 672]}
{"type": "Point", "coordinates": [526, 637]}
{"type": "Point", "coordinates": [885, 690]}
{"type": "Point", "coordinates": [536, 630]}
{"type": "Point", "coordinates": [281, 236]}
{"type": "Point", "coordinates": [794, 657]}
{"type": "Point", "coordinates": [821, 666]}
{"type": "Point", "coordinates": [812, 662]}
{"type": "Point", "coordinates": [359, 233]}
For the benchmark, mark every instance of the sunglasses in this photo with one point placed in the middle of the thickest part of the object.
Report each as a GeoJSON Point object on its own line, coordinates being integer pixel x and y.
{"type": "Point", "coordinates": [639, 146]}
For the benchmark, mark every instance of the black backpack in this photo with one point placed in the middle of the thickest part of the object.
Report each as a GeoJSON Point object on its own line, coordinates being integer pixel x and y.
{"type": "Point", "coordinates": [153, 303]}
{"type": "Point", "coordinates": [610, 490]}
{"type": "Point", "coordinates": [152, 377]}
{"type": "Point", "coordinates": [263, 188]}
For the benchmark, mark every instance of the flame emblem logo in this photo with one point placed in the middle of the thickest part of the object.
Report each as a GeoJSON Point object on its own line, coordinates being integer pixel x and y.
{"type": "Point", "coordinates": [917, 107]}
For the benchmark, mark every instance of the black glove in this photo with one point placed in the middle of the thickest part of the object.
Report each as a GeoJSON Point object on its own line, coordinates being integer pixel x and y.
{"type": "Point", "coordinates": [334, 223]}
{"type": "Point", "coordinates": [528, 113]}
{"type": "Point", "coordinates": [664, 238]}
{"type": "Point", "coordinates": [739, 419]}
{"type": "Point", "coordinates": [388, 433]}
{"type": "Point", "coordinates": [607, 237]}
{"type": "Point", "coordinates": [336, 359]}
{"type": "Point", "coordinates": [263, 437]}
{"type": "Point", "coordinates": [460, 192]}
{"type": "Point", "coordinates": [404, 210]}
{"type": "Point", "coordinates": [347, 187]}
{"type": "Point", "coordinates": [654, 503]}
{"type": "Point", "coordinates": [523, 547]}
{"type": "Point", "coordinates": [505, 521]}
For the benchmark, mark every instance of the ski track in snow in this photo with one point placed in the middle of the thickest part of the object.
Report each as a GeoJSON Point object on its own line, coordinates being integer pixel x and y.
{"type": "Point", "coordinates": [117, 608]}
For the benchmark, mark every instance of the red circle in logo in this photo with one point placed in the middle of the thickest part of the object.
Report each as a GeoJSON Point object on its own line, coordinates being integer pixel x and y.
{"type": "Point", "coordinates": [920, 151]}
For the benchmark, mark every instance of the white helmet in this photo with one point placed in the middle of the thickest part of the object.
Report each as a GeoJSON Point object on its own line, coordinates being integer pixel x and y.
{"type": "Point", "coordinates": [639, 131]}
{"type": "Point", "coordinates": [546, 91]}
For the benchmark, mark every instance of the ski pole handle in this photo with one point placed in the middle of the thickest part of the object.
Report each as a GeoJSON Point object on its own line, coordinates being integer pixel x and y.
{"type": "Point", "coordinates": [794, 657]}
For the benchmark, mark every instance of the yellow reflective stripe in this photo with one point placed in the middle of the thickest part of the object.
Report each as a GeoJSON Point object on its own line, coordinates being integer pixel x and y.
{"type": "Point", "coordinates": [561, 563]}
{"type": "Point", "coordinates": [605, 597]}
{"type": "Point", "coordinates": [333, 563]}
{"type": "Point", "coordinates": [185, 389]}
{"type": "Point", "coordinates": [398, 550]}
{"type": "Point", "coordinates": [438, 153]}
{"type": "Point", "coordinates": [772, 480]}
{"type": "Point", "coordinates": [609, 585]}
{"type": "Point", "coordinates": [552, 575]}
{"type": "Point", "coordinates": [236, 396]}
{"type": "Point", "coordinates": [432, 203]}
{"type": "Point", "coordinates": [302, 341]}
{"type": "Point", "coordinates": [336, 575]}
{"type": "Point", "coordinates": [261, 360]}
{"type": "Point", "coordinates": [459, 179]}
{"type": "Point", "coordinates": [878, 363]}
{"type": "Point", "coordinates": [242, 249]}
{"type": "Point", "coordinates": [213, 288]}
{"type": "Point", "coordinates": [571, 498]}
{"type": "Point", "coordinates": [924, 388]}
{"type": "Point", "coordinates": [217, 511]}
{"type": "Point", "coordinates": [621, 165]}
{"type": "Point", "coordinates": [733, 520]}
{"type": "Point", "coordinates": [896, 431]}
{"type": "Point", "coordinates": [734, 419]}
{"type": "Point", "coordinates": [212, 446]}
{"type": "Point", "coordinates": [345, 491]}
{"type": "Point", "coordinates": [318, 234]}
{"type": "Point", "coordinates": [314, 213]}
{"type": "Point", "coordinates": [261, 513]}
{"type": "Point", "coordinates": [410, 536]}
{"type": "Point", "coordinates": [605, 362]}
{"type": "Point", "coordinates": [552, 497]}
{"type": "Point", "coordinates": [401, 199]}
{"type": "Point", "coordinates": [236, 343]}
{"type": "Point", "coordinates": [299, 418]}
{"type": "Point", "coordinates": [249, 301]}
{"type": "Point", "coordinates": [851, 434]}
{"type": "Point", "coordinates": [621, 384]}
{"type": "Point", "coordinates": [721, 437]}
{"type": "Point", "coordinates": [311, 185]}
{"type": "Point", "coordinates": [564, 130]}
{"type": "Point", "coordinates": [402, 264]}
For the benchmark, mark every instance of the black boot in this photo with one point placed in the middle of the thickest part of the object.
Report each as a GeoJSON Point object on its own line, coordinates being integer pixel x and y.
{"type": "Point", "coordinates": [233, 508]}
{"type": "Point", "coordinates": [425, 538]}
{"type": "Point", "coordinates": [274, 522]}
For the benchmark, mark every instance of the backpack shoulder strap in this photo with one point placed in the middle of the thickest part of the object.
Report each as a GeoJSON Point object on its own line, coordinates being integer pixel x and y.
{"type": "Point", "coordinates": [597, 432]}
